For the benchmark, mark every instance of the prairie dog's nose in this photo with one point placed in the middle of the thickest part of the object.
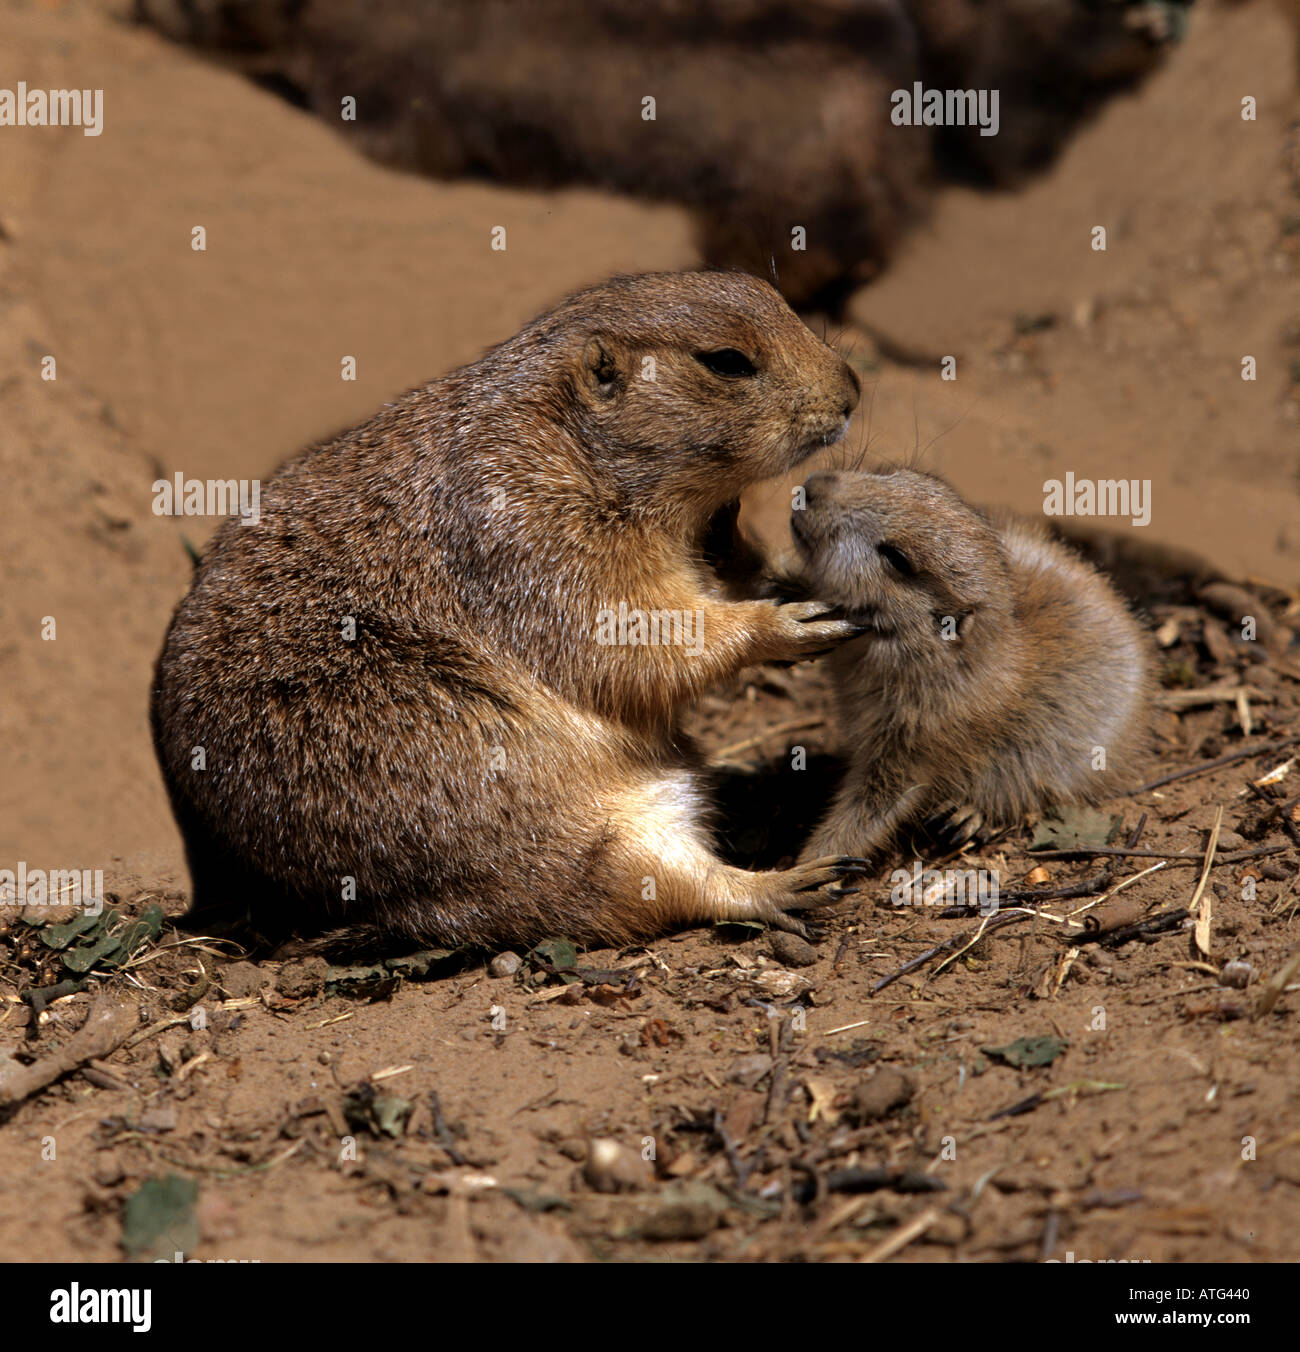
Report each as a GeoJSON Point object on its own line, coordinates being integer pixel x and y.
{"type": "Point", "coordinates": [852, 388]}
{"type": "Point", "coordinates": [820, 486]}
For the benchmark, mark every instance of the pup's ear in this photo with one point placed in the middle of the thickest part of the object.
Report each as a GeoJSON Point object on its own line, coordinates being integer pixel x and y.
{"type": "Point", "coordinates": [602, 371]}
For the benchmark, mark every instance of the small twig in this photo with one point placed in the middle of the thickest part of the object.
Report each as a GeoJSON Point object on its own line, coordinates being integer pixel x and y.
{"type": "Point", "coordinates": [902, 1237]}
{"type": "Point", "coordinates": [738, 1166]}
{"type": "Point", "coordinates": [1246, 753]}
{"type": "Point", "coordinates": [974, 939]}
{"type": "Point", "coordinates": [1210, 694]}
{"type": "Point", "coordinates": [1174, 856]}
{"type": "Point", "coordinates": [947, 944]}
{"type": "Point", "coordinates": [1159, 923]}
{"type": "Point", "coordinates": [104, 1031]}
{"type": "Point", "coordinates": [1119, 887]}
{"type": "Point", "coordinates": [1276, 984]}
{"type": "Point", "coordinates": [791, 725]}
{"type": "Point", "coordinates": [1200, 902]}
{"type": "Point", "coordinates": [442, 1132]}
{"type": "Point", "coordinates": [1094, 883]}
{"type": "Point", "coordinates": [776, 1089]}
{"type": "Point", "coordinates": [161, 1026]}
{"type": "Point", "coordinates": [845, 1027]}
{"type": "Point", "coordinates": [840, 954]}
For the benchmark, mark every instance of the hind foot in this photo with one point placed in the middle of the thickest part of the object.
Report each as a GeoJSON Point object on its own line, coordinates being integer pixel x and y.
{"type": "Point", "coordinates": [801, 898]}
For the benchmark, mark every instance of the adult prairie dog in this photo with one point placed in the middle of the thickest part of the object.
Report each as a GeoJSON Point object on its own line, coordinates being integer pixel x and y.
{"type": "Point", "coordinates": [433, 695]}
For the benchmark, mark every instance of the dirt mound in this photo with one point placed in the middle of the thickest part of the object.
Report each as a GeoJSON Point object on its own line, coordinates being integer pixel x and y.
{"type": "Point", "coordinates": [778, 122]}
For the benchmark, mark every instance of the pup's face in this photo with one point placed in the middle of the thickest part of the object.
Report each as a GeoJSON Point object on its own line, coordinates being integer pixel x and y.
{"type": "Point", "coordinates": [902, 554]}
{"type": "Point", "coordinates": [706, 382]}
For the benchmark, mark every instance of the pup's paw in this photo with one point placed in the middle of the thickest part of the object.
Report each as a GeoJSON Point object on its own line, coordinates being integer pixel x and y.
{"type": "Point", "coordinates": [956, 825]}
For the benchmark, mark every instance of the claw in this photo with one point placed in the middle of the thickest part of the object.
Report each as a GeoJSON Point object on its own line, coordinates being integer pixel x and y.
{"type": "Point", "coordinates": [954, 827]}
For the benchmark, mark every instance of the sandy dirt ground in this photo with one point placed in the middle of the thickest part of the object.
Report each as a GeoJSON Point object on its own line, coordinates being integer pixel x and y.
{"type": "Point", "coordinates": [793, 1113]}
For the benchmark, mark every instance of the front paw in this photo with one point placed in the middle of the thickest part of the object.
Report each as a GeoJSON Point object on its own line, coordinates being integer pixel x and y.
{"type": "Point", "coordinates": [802, 630]}
{"type": "Point", "coordinates": [956, 825]}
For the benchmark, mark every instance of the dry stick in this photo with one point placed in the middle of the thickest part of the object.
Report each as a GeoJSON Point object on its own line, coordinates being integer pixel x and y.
{"type": "Point", "coordinates": [1086, 887]}
{"type": "Point", "coordinates": [161, 1026]}
{"type": "Point", "coordinates": [1244, 716]}
{"type": "Point", "coordinates": [776, 1089]}
{"type": "Point", "coordinates": [442, 1132]}
{"type": "Point", "coordinates": [1098, 881]}
{"type": "Point", "coordinates": [1210, 694]}
{"type": "Point", "coordinates": [1245, 754]}
{"type": "Point", "coordinates": [739, 1169]}
{"type": "Point", "coordinates": [1273, 988]}
{"type": "Point", "coordinates": [934, 952]}
{"type": "Point", "coordinates": [106, 1028]}
{"type": "Point", "coordinates": [1119, 887]}
{"type": "Point", "coordinates": [1236, 857]}
{"type": "Point", "coordinates": [902, 1237]}
{"type": "Point", "coordinates": [1159, 923]}
{"type": "Point", "coordinates": [974, 939]}
{"type": "Point", "coordinates": [1200, 902]}
{"type": "Point", "coordinates": [791, 725]}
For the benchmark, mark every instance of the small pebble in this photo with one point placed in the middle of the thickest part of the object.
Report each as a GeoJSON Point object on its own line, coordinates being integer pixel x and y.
{"type": "Point", "coordinates": [613, 1167]}
{"type": "Point", "coordinates": [302, 977]}
{"type": "Point", "coordinates": [504, 964]}
{"type": "Point", "coordinates": [1236, 973]}
{"type": "Point", "coordinates": [793, 951]}
{"type": "Point", "coordinates": [885, 1092]}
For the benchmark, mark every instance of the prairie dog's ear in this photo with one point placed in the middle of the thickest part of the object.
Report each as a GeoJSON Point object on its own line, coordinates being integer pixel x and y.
{"type": "Point", "coordinates": [602, 372]}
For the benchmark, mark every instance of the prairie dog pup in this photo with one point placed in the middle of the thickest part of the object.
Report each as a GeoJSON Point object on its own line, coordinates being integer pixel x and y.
{"type": "Point", "coordinates": [1000, 673]}
{"type": "Point", "coordinates": [434, 694]}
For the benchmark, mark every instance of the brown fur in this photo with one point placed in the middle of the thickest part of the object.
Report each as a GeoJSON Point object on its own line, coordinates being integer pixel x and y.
{"type": "Point", "coordinates": [1044, 662]}
{"type": "Point", "coordinates": [482, 767]}
{"type": "Point", "coordinates": [770, 114]}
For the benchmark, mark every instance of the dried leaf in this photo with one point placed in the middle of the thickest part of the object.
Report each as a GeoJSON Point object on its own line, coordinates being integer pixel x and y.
{"type": "Point", "coordinates": [1026, 1052]}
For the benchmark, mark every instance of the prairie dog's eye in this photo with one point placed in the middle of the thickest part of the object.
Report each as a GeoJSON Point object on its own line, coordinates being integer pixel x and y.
{"type": "Point", "coordinates": [897, 560]}
{"type": "Point", "coordinates": [726, 361]}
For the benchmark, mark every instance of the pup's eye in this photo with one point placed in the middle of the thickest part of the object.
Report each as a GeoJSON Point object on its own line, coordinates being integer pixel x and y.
{"type": "Point", "coordinates": [726, 361]}
{"type": "Point", "coordinates": [897, 560]}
